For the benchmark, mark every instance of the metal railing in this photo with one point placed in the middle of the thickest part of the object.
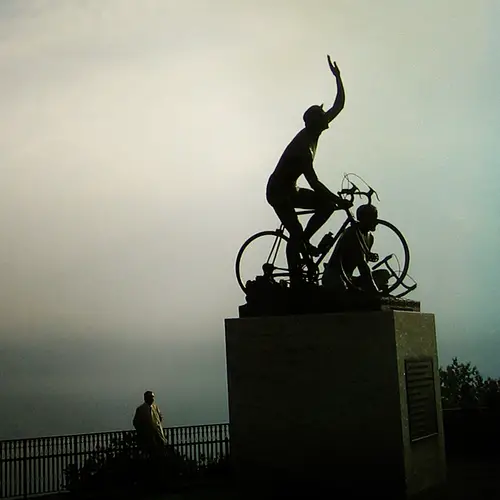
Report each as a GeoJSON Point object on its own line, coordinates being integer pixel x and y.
{"type": "Point", "coordinates": [36, 466]}
{"type": "Point", "coordinates": [30, 467]}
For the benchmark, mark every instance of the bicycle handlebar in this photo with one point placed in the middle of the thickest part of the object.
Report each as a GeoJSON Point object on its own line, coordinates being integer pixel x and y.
{"type": "Point", "coordinates": [355, 191]}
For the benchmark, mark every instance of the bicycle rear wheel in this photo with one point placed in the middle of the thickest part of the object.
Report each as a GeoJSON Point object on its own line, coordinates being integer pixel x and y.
{"type": "Point", "coordinates": [394, 256]}
{"type": "Point", "coordinates": [265, 251]}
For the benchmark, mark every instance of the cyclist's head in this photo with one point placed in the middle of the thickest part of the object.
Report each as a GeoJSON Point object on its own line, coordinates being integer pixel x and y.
{"type": "Point", "coordinates": [367, 216]}
{"type": "Point", "coordinates": [315, 118]}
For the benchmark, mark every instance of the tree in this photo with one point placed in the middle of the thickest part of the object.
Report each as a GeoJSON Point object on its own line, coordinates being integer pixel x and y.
{"type": "Point", "coordinates": [491, 394]}
{"type": "Point", "coordinates": [462, 386]}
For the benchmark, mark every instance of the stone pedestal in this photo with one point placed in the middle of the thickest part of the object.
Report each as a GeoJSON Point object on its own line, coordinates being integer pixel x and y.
{"type": "Point", "coordinates": [344, 400]}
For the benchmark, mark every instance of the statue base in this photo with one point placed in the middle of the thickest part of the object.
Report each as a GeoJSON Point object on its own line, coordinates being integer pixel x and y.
{"type": "Point", "coordinates": [271, 299]}
{"type": "Point", "coordinates": [346, 403]}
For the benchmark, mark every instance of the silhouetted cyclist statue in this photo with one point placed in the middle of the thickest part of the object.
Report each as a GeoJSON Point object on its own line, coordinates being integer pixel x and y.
{"type": "Point", "coordinates": [283, 194]}
{"type": "Point", "coordinates": [353, 251]}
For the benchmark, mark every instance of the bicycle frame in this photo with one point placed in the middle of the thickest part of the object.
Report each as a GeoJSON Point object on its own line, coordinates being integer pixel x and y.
{"type": "Point", "coordinates": [321, 257]}
{"type": "Point", "coordinates": [349, 219]}
{"type": "Point", "coordinates": [280, 234]}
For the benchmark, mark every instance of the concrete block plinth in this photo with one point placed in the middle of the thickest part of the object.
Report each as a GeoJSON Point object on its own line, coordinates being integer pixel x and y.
{"type": "Point", "coordinates": [348, 399]}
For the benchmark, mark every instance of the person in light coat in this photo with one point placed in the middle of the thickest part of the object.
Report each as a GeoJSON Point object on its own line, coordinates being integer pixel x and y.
{"type": "Point", "coordinates": [149, 427]}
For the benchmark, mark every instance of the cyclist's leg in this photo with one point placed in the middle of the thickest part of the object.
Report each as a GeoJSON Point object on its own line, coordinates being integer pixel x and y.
{"type": "Point", "coordinates": [286, 213]}
{"type": "Point", "coordinates": [332, 278]}
{"type": "Point", "coordinates": [322, 205]}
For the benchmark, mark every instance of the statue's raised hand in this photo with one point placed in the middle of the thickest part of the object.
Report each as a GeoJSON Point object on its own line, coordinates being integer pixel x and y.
{"type": "Point", "coordinates": [333, 67]}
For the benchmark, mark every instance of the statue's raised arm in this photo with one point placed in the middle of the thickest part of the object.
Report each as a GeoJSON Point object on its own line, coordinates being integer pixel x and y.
{"type": "Point", "coordinates": [338, 105]}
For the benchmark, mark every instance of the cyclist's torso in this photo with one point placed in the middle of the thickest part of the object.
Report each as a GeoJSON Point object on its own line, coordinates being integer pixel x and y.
{"type": "Point", "coordinates": [348, 249]}
{"type": "Point", "coordinates": [296, 158]}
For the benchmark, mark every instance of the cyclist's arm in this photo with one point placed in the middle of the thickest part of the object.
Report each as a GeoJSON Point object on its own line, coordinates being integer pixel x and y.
{"type": "Point", "coordinates": [338, 105]}
{"type": "Point", "coordinates": [354, 245]}
{"type": "Point", "coordinates": [364, 269]}
{"type": "Point", "coordinates": [315, 184]}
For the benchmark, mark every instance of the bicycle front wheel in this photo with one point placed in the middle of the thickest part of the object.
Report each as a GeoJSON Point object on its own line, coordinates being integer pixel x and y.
{"type": "Point", "coordinates": [394, 256]}
{"type": "Point", "coordinates": [264, 252]}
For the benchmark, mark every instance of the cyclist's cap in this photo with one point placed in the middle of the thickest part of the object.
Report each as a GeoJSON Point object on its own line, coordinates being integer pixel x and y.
{"type": "Point", "coordinates": [366, 212]}
{"type": "Point", "coordinates": [313, 113]}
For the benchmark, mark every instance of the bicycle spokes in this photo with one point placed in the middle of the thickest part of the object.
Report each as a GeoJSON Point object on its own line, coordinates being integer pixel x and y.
{"type": "Point", "coordinates": [385, 261]}
{"type": "Point", "coordinates": [395, 275]}
{"type": "Point", "coordinates": [407, 288]}
{"type": "Point", "coordinates": [264, 252]}
{"type": "Point", "coordinates": [273, 253]}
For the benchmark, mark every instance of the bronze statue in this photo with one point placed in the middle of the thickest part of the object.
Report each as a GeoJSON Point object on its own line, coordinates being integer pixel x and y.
{"type": "Point", "coordinates": [283, 194]}
{"type": "Point", "coordinates": [376, 288]}
{"type": "Point", "coordinates": [353, 250]}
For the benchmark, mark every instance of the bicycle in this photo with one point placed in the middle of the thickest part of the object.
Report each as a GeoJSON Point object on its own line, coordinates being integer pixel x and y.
{"type": "Point", "coordinates": [275, 267]}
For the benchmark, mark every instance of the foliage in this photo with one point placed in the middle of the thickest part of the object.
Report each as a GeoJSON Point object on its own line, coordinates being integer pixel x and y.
{"type": "Point", "coordinates": [462, 386]}
{"type": "Point", "coordinates": [121, 466]}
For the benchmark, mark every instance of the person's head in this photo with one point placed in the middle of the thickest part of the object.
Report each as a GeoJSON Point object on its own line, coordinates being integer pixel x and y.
{"type": "Point", "coordinates": [315, 119]}
{"type": "Point", "coordinates": [367, 217]}
{"type": "Point", "coordinates": [149, 397]}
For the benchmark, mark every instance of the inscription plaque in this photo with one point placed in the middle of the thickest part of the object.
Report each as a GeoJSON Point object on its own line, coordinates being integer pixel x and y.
{"type": "Point", "coordinates": [421, 398]}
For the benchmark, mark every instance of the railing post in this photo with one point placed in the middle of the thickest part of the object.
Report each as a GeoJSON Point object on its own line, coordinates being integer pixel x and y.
{"type": "Point", "coordinates": [1, 471]}
{"type": "Point", "coordinates": [227, 440]}
{"type": "Point", "coordinates": [75, 454]}
{"type": "Point", "coordinates": [3, 486]}
{"type": "Point", "coordinates": [25, 468]}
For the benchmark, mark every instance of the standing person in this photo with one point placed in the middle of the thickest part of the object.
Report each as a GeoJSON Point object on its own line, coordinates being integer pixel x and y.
{"type": "Point", "coordinates": [282, 192]}
{"type": "Point", "coordinates": [148, 424]}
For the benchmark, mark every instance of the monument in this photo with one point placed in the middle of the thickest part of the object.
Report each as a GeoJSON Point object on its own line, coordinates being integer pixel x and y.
{"type": "Point", "coordinates": [343, 399]}
{"type": "Point", "coordinates": [332, 378]}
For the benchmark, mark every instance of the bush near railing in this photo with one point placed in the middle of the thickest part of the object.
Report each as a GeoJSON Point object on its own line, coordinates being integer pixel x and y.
{"type": "Point", "coordinates": [122, 466]}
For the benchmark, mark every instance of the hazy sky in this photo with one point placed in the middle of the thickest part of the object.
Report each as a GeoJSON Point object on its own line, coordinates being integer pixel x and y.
{"type": "Point", "coordinates": [135, 144]}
